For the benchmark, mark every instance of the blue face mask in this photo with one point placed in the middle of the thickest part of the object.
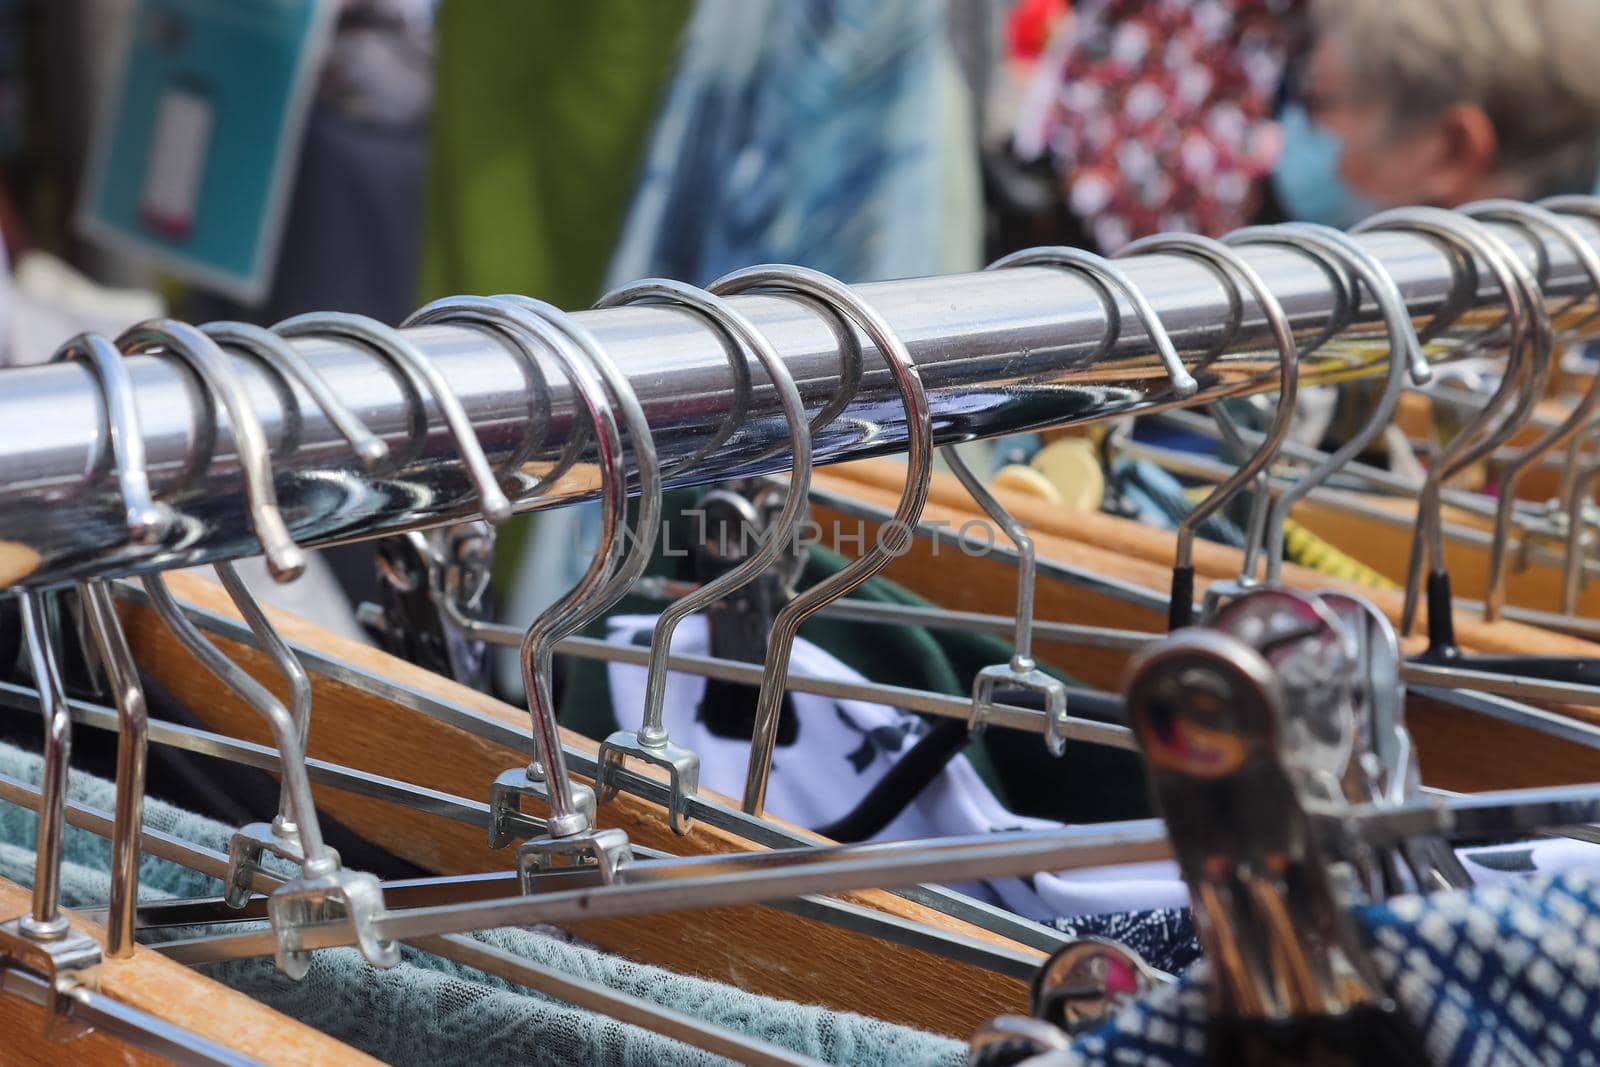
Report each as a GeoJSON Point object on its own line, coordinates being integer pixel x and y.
{"type": "Point", "coordinates": [1306, 178]}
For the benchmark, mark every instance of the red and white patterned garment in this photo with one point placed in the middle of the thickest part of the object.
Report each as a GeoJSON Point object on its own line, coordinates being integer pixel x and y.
{"type": "Point", "coordinates": [1163, 115]}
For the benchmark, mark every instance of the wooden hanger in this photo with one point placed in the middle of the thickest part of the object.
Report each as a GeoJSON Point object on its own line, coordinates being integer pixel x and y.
{"type": "Point", "coordinates": [159, 987]}
{"type": "Point", "coordinates": [1384, 547]}
{"type": "Point", "coordinates": [1121, 549]}
{"type": "Point", "coordinates": [754, 948]}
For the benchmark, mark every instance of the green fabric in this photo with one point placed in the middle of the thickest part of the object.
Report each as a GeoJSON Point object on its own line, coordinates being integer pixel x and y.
{"type": "Point", "coordinates": [429, 1010]}
{"type": "Point", "coordinates": [542, 109]}
{"type": "Point", "coordinates": [541, 112]}
{"type": "Point", "coordinates": [1090, 783]}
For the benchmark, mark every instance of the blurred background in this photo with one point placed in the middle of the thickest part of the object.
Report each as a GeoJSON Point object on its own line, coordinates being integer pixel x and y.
{"type": "Point", "coordinates": [254, 159]}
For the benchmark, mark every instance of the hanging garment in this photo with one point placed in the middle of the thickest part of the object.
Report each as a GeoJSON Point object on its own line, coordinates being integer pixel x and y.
{"type": "Point", "coordinates": [1163, 113]}
{"type": "Point", "coordinates": [836, 134]}
{"type": "Point", "coordinates": [839, 750]}
{"type": "Point", "coordinates": [1302, 547]}
{"type": "Point", "coordinates": [540, 118]}
{"type": "Point", "coordinates": [430, 1010]}
{"type": "Point", "coordinates": [1504, 974]}
{"type": "Point", "coordinates": [1159, 500]}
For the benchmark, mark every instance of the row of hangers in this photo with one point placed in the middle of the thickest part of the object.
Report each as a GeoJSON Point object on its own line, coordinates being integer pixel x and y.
{"type": "Point", "coordinates": [571, 866]}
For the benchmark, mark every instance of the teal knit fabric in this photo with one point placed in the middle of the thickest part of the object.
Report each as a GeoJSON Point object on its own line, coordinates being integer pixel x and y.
{"type": "Point", "coordinates": [431, 1011]}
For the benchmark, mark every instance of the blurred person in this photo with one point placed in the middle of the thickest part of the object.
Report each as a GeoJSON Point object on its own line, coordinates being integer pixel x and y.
{"type": "Point", "coordinates": [1441, 102]}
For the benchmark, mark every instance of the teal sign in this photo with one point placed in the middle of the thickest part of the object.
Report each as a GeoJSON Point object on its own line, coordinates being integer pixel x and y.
{"type": "Point", "coordinates": [192, 167]}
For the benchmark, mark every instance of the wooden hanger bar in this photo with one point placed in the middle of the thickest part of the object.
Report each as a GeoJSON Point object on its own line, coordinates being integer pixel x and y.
{"type": "Point", "coordinates": [157, 986]}
{"type": "Point", "coordinates": [754, 948]}
{"type": "Point", "coordinates": [1459, 750]}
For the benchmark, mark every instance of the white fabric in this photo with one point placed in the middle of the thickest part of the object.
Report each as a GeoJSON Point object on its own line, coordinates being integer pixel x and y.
{"type": "Point", "coordinates": [842, 748]}
{"type": "Point", "coordinates": [1543, 856]}
{"type": "Point", "coordinates": [50, 302]}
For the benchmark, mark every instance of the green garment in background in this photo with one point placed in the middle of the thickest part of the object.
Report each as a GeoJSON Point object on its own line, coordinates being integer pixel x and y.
{"type": "Point", "coordinates": [541, 115]}
{"type": "Point", "coordinates": [1090, 783]}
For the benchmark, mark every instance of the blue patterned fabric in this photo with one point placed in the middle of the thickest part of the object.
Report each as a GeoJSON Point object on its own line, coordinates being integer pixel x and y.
{"type": "Point", "coordinates": [1164, 937]}
{"type": "Point", "coordinates": [1160, 501]}
{"type": "Point", "coordinates": [1504, 974]}
{"type": "Point", "coordinates": [1507, 974]}
{"type": "Point", "coordinates": [836, 134]}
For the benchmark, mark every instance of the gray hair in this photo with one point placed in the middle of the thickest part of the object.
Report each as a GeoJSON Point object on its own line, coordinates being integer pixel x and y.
{"type": "Point", "coordinates": [1529, 64]}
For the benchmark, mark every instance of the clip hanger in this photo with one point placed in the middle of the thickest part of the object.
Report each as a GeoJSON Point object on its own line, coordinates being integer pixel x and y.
{"type": "Point", "coordinates": [919, 451]}
{"type": "Point", "coordinates": [1023, 672]}
{"type": "Point", "coordinates": [604, 392]}
{"type": "Point", "coordinates": [1227, 263]}
{"type": "Point", "coordinates": [1480, 436]}
{"type": "Point", "coordinates": [651, 742]}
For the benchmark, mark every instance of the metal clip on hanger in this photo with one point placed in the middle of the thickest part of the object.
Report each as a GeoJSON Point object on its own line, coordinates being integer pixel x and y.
{"type": "Point", "coordinates": [430, 583]}
{"type": "Point", "coordinates": [1520, 290]}
{"type": "Point", "coordinates": [651, 743]}
{"type": "Point", "coordinates": [919, 458]}
{"type": "Point", "coordinates": [1288, 967]}
{"type": "Point", "coordinates": [569, 831]}
{"type": "Point", "coordinates": [1227, 264]}
{"type": "Point", "coordinates": [1023, 672]}
{"type": "Point", "coordinates": [220, 383]}
{"type": "Point", "coordinates": [1089, 979]}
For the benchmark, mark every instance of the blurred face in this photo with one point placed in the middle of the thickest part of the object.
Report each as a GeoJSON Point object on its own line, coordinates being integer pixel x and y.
{"type": "Point", "coordinates": [1444, 160]}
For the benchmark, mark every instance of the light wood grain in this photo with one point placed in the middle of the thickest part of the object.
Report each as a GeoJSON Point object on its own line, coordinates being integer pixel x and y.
{"type": "Point", "coordinates": [1118, 548]}
{"type": "Point", "coordinates": [760, 949]}
{"type": "Point", "coordinates": [156, 985]}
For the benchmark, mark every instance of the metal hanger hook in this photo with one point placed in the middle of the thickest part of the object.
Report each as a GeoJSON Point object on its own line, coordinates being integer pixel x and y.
{"type": "Point", "coordinates": [147, 520]}
{"type": "Point", "coordinates": [919, 452]}
{"type": "Point", "coordinates": [1533, 218]}
{"type": "Point", "coordinates": [1231, 265]}
{"type": "Point", "coordinates": [215, 370]}
{"type": "Point", "coordinates": [272, 350]}
{"type": "Point", "coordinates": [1405, 351]}
{"type": "Point", "coordinates": [1023, 672]}
{"type": "Point", "coordinates": [570, 813]}
{"type": "Point", "coordinates": [651, 742]}
{"type": "Point", "coordinates": [1480, 436]}
{"type": "Point", "coordinates": [395, 347]}
{"type": "Point", "coordinates": [1110, 281]}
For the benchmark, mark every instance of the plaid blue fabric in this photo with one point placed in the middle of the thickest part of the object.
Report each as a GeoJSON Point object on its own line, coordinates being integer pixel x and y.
{"type": "Point", "coordinates": [1504, 974]}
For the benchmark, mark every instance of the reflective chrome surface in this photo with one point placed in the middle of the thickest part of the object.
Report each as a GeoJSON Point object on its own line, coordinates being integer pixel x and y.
{"type": "Point", "coordinates": [998, 352]}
